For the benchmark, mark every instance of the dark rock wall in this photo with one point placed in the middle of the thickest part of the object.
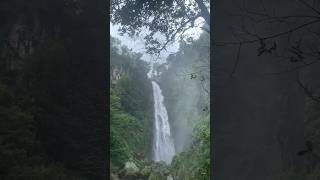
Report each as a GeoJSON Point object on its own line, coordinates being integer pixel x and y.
{"type": "Point", "coordinates": [55, 54]}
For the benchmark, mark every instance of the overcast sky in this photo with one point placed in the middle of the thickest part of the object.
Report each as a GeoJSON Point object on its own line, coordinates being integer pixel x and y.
{"type": "Point", "coordinates": [137, 44]}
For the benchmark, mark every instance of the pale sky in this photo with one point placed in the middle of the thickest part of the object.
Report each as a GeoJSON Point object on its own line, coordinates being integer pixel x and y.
{"type": "Point", "coordinates": [137, 44]}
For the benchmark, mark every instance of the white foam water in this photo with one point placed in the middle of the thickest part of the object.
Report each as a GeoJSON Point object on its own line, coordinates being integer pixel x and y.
{"type": "Point", "coordinates": [163, 146]}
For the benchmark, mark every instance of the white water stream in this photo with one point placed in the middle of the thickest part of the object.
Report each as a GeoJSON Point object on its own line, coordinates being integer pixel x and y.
{"type": "Point", "coordinates": [163, 147]}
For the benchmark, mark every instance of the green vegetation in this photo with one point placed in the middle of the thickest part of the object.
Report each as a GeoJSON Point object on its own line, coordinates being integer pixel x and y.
{"type": "Point", "coordinates": [18, 143]}
{"type": "Point", "coordinates": [194, 163]}
{"type": "Point", "coordinates": [130, 107]}
{"type": "Point", "coordinates": [127, 137]}
{"type": "Point", "coordinates": [185, 86]}
{"type": "Point", "coordinates": [169, 18]}
{"type": "Point", "coordinates": [119, 149]}
{"type": "Point", "coordinates": [187, 103]}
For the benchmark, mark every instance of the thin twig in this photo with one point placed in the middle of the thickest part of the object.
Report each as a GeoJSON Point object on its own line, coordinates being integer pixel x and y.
{"type": "Point", "coordinates": [237, 61]}
{"type": "Point", "coordinates": [269, 37]}
{"type": "Point", "coordinates": [307, 91]}
{"type": "Point", "coordinates": [308, 5]}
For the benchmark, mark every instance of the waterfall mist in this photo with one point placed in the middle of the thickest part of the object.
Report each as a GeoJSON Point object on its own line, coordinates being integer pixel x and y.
{"type": "Point", "coordinates": [185, 82]}
{"type": "Point", "coordinates": [185, 110]}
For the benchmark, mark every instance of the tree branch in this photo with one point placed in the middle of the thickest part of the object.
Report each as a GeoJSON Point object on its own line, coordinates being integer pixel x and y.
{"type": "Point", "coordinates": [308, 92]}
{"type": "Point", "coordinates": [308, 5]}
{"type": "Point", "coordinates": [271, 36]}
{"type": "Point", "coordinates": [204, 11]}
{"type": "Point", "coordinates": [177, 31]}
{"type": "Point", "coordinates": [237, 61]}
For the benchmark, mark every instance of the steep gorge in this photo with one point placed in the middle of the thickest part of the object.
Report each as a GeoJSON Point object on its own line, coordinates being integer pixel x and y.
{"type": "Point", "coordinates": [173, 115]}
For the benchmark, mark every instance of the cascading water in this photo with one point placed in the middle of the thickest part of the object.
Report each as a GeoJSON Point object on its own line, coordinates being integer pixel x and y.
{"type": "Point", "coordinates": [163, 147]}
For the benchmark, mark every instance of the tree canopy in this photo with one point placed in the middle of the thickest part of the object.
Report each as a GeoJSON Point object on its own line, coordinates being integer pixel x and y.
{"type": "Point", "coordinates": [170, 18]}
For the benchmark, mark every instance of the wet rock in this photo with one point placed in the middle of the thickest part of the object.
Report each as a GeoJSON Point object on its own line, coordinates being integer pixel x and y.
{"type": "Point", "coordinates": [159, 171]}
{"type": "Point", "coordinates": [169, 177]}
{"type": "Point", "coordinates": [146, 171]}
{"type": "Point", "coordinates": [114, 177]}
{"type": "Point", "coordinates": [130, 169]}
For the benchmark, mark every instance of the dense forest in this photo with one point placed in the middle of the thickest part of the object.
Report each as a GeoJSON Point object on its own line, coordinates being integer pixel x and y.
{"type": "Point", "coordinates": [53, 90]}
{"type": "Point", "coordinates": [132, 112]}
{"type": "Point", "coordinates": [130, 106]}
{"type": "Point", "coordinates": [175, 91]}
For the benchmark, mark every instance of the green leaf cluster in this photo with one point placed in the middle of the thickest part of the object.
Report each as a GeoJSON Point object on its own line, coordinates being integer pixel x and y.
{"type": "Point", "coordinates": [195, 162]}
{"type": "Point", "coordinates": [130, 108]}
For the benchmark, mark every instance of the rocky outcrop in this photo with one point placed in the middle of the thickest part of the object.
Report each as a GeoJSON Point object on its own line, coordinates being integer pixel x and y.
{"type": "Point", "coordinates": [115, 74]}
{"type": "Point", "coordinates": [169, 177]}
{"type": "Point", "coordinates": [147, 171]}
{"type": "Point", "coordinates": [26, 35]}
{"type": "Point", "coordinates": [114, 177]}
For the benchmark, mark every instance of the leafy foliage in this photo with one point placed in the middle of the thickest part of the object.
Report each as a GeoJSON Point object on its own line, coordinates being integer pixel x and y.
{"type": "Point", "coordinates": [195, 162]}
{"type": "Point", "coordinates": [125, 133]}
{"type": "Point", "coordinates": [18, 142]}
{"type": "Point", "coordinates": [41, 172]}
{"type": "Point", "coordinates": [168, 18]}
{"type": "Point", "coordinates": [130, 107]}
{"type": "Point", "coordinates": [185, 84]}
{"type": "Point", "coordinates": [16, 136]}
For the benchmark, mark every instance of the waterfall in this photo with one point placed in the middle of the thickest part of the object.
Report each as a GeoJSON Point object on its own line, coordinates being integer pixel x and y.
{"type": "Point", "coordinates": [163, 147]}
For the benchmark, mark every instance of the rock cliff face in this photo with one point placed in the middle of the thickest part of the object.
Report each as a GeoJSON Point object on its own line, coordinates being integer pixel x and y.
{"type": "Point", "coordinates": [28, 25]}
{"type": "Point", "coordinates": [17, 46]}
{"type": "Point", "coordinates": [27, 33]}
{"type": "Point", "coordinates": [116, 73]}
{"type": "Point", "coordinates": [53, 57]}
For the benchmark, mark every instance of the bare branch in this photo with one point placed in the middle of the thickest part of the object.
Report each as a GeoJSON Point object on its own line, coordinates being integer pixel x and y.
{"type": "Point", "coordinates": [294, 69]}
{"type": "Point", "coordinates": [271, 36]}
{"type": "Point", "coordinates": [204, 11]}
{"type": "Point", "coordinates": [237, 61]}
{"type": "Point", "coordinates": [177, 31]}
{"type": "Point", "coordinates": [308, 5]}
{"type": "Point", "coordinates": [307, 91]}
